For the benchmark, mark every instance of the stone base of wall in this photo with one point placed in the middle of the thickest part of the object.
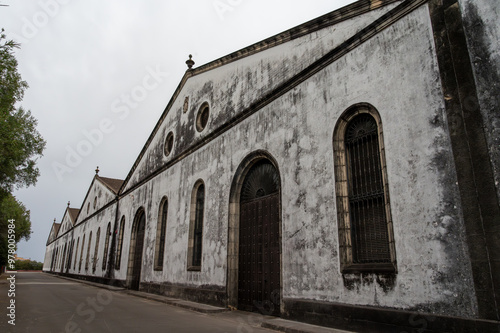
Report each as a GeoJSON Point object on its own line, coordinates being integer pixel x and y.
{"type": "Point", "coordinates": [213, 295]}
{"type": "Point", "coordinates": [364, 318]}
{"type": "Point", "coordinates": [96, 279]}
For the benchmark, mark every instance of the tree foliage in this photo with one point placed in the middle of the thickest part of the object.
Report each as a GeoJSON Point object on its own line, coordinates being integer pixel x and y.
{"type": "Point", "coordinates": [20, 142]}
{"type": "Point", "coordinates": [11, 209]}
{"type": "Point", "coordinates": [28, 265]}
{"type": "Point", "coordinates": [20, 147]}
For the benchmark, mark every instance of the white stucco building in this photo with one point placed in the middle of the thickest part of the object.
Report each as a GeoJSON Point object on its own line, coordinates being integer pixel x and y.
{"type": "Point", "coordinates": [342, 172]}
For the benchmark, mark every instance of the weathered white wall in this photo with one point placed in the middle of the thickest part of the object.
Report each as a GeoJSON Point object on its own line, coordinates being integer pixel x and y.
{"type": "Point", "coordinates": [396, 72]}
{"type": "Point", "coordinates": [97, 190]}
{"type": "Point", "coordinates": [231, 88]}
{"type": "Point", "coordinates": [482, 30]}
{"type": "Point", "coordinates": [101, 221]}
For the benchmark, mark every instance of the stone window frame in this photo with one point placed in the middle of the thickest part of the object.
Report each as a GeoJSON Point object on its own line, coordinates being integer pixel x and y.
{"type": "Point", "coordinates": [70, 256]}
{"type": "Point", "coordinates": [161, 231]}
{"type": "Point", "coordinates": [106, 247]}
{"type": "Point", "coordinates": [119, 249]}
{"type": "Point", "coordinates": [87, 259]}
{"type": "Point", "coordinates": [200, 127]}
{"type": "Point", "coordinates": [192, 222]}
{"type": "Point", "coordinates": [96, 251]}
{"type": "Point", "coordinates": [81, 255]}
{"type": "Point", "coordinates": [76, 253]}
{"type": "Point", "coordinates": [168, 146]}
{"type": "Point", "coordinates": [342, 199]}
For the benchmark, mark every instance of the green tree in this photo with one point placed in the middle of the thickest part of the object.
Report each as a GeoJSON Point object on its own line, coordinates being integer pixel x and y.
{"type": "Point", "coordinates": [20, 147]}
{"type": "Point", "coordinates": [11, 209]}
{"type": "Point", "coordinates": [28, 265]}
{"type": "Point", "coordinates": [20, 142]}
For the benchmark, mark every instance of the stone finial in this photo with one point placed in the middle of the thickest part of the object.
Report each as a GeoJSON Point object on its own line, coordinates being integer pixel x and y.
{"type": "Point", "coordinates": [68, 203]}
{"type": "Point", "coordinates": [190, 62]}
{"type": "Point", "coordinates": [97, 171]}
{"type": "Point", "coordinates": [54, 220]}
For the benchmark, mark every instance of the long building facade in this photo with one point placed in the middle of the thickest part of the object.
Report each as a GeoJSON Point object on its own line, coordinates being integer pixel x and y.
{"type": "Point", "coordinates": [344, 172]}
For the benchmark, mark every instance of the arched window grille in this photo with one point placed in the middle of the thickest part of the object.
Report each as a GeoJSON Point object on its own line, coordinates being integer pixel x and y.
{"type": "Point", "coordinates": [106, 247]}
{"type": "Point", "coordinates": [120, 244]}
{"type": "Point", "coordinates": [81, 254]}
{"type": "Point", "coordinates": [76, 253]}
{"type": "Point", "coordinates": [88, 252]}
{"type": "Point", "coordinates": [196, 227]}
{"type": "Point", "coordinates": [366, 237]}
{"type": "Point", "coordinates": [96, 251]}
{"type": "Point", "coordinates": [161, 234]}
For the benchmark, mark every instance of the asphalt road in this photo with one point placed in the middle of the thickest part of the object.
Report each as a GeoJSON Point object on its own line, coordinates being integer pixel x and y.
{"type": "Point", "coordinates": [44, 303]}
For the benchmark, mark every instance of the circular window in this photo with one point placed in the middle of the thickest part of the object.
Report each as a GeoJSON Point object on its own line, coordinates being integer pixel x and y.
{"type": "Point", "coordinates": [202, 118]}
{"type": "Point", "coordinates": [169, 143]}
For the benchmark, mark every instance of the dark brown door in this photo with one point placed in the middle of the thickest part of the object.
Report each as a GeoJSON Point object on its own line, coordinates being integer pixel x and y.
{"type": "Point", "coordinates": [259, 256]}
{"type": "Point", "coordinates": [137, 263]}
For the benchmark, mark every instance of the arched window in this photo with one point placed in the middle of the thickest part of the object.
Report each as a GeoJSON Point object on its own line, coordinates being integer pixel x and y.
{"type": "Point", "coordinates": [81, 254]}
{"type": "Point", "coordinates": [106, 247]}
{"type": "Point", "coordinates": [96, 252]}
{"type": "Point", "coordinates": [196, 227]}
{"type": "Point", "coordinates": [88, 252]}
{"type": "Point", "coordinates": [120, 244]}
{"type": "Point", "coordinates": [70, 254]}
{"type": "Point", "coordinates": [76, 253]}
{"type": "Point", "coordinates": [161, 234]}
{"type": "Point", "coordinates": [366, 237]}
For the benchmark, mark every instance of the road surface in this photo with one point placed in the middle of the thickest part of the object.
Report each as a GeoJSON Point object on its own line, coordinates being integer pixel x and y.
{"type": "Point", "coordinates": [45, 303]}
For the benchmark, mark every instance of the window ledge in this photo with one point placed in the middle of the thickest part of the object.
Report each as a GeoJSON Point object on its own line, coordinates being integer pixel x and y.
{"type": "Point", "coordinates": [369, 268]}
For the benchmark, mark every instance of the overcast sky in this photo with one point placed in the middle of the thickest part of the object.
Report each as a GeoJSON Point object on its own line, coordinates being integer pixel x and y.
{"type": "Point", "coordinates": [86, 60]}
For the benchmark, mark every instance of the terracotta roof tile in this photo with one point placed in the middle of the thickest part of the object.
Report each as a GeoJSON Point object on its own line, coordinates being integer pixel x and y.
{"type": "Point", "coordinates": [112, 183]}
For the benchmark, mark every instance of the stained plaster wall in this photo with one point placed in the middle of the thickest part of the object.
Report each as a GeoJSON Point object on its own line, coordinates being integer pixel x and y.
{"type": "Point", "coordinates": [482, 30]}
{"type": "Point", "coordinates": [231, 88]}
{"type": "Point", "coordinates": [84, 226]}
{"type": "Point", "coordinates": [397, 73]}
{"type": "Point", "coordinates": [57, 244]}
{"type": "Point", "coordinates": [66, 224]}
{"type": "Point", "coordinates": [97, 190]}
{"type": "Point", "coordinates": [100, 220]}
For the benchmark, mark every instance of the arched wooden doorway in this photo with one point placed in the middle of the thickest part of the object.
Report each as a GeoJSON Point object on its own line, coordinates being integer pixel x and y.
{"type": "Point", "coordinates": [136, 249]}
{"type": "Point", "coordinates": [254, 260]}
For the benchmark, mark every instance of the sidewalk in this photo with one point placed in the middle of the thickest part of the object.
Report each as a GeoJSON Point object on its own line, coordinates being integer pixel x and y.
{"type": "Point", "coordinates": [256, 319]}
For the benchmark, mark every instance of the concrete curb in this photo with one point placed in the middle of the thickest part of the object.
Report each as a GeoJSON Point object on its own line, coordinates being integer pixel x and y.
{"type": "Point", "coordinates": [290, 326]}
{"type": "Point", "coordinates": [93, 284]}
{"type": "Point", "coordinates": [198, 307]}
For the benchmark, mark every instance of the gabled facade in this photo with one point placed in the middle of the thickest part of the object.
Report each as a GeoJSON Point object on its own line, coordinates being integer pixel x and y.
{"type": "Point", "coordinates": [342, 172]}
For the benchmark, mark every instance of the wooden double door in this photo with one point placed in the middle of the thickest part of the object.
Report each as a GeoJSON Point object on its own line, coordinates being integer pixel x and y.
{"type": "Point", "coordinates": [259, 267]}
{"type": "Point", "coordinates": [137, 257]}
